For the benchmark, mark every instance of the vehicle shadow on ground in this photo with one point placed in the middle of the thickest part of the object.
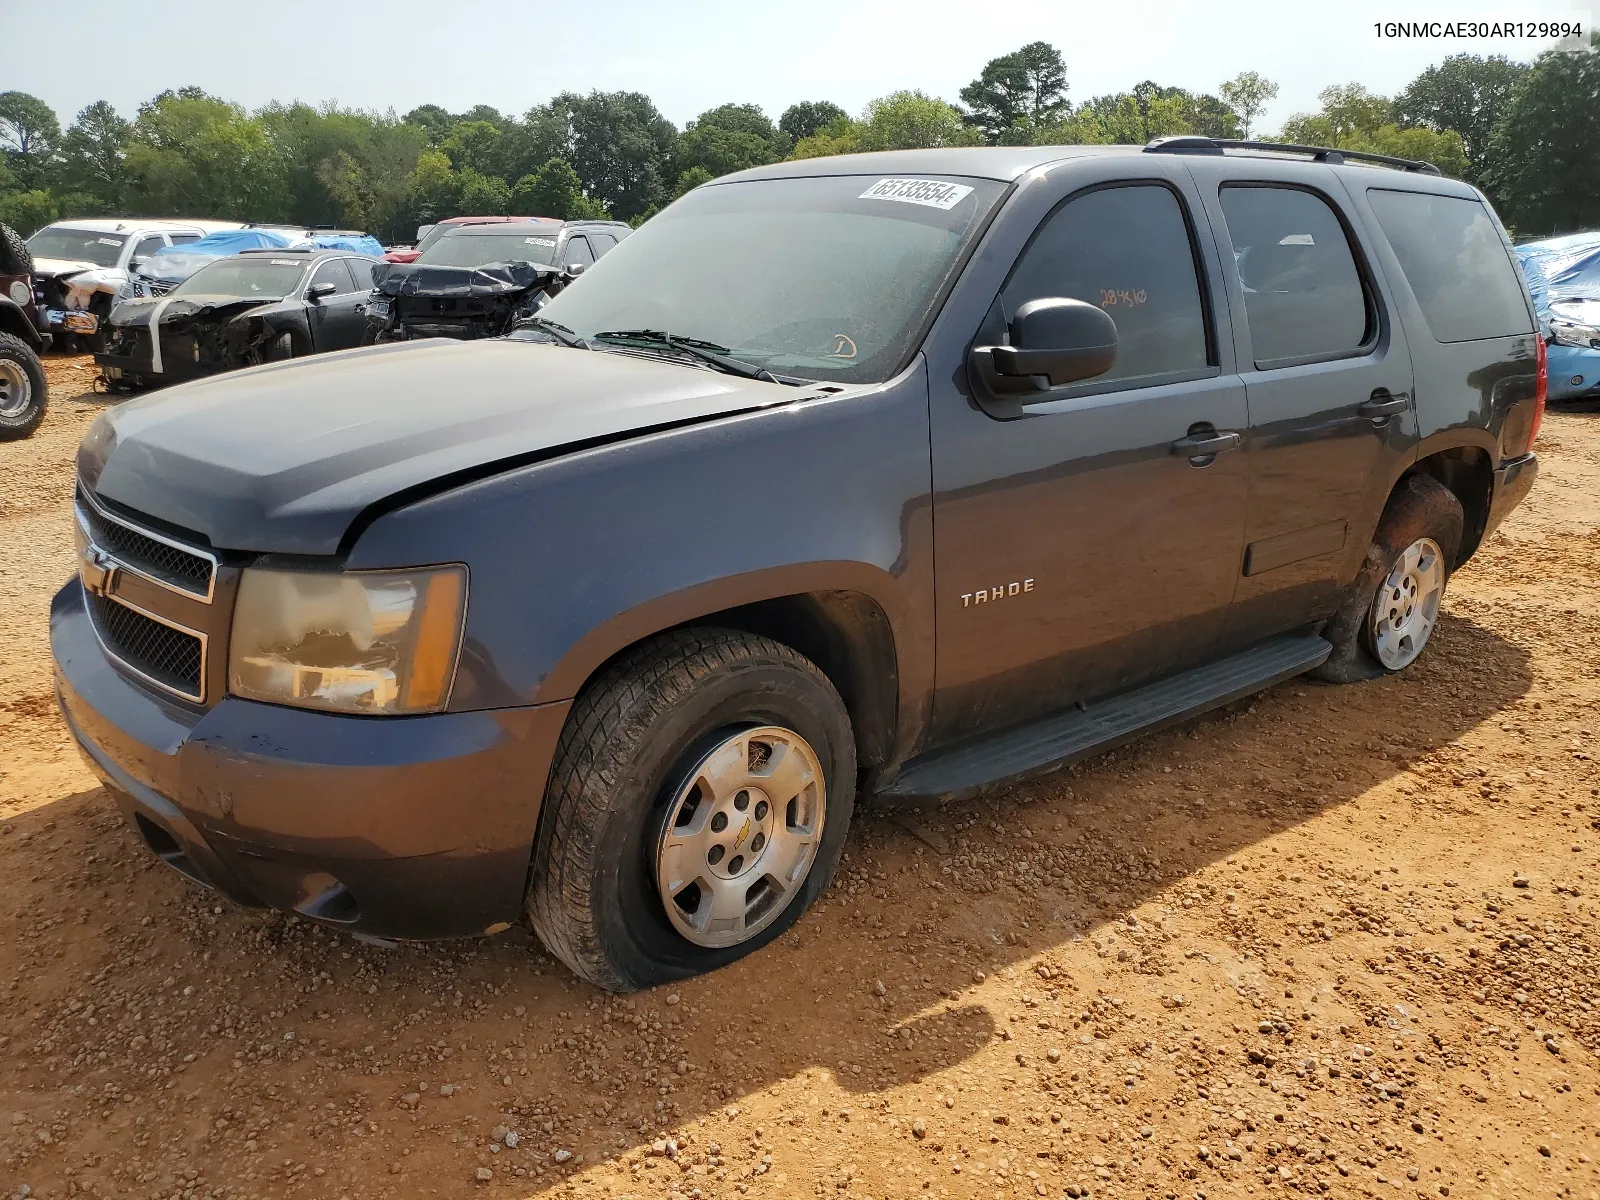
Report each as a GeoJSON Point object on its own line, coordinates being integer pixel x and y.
{"type": "Point", "coordinates": [866, 992]}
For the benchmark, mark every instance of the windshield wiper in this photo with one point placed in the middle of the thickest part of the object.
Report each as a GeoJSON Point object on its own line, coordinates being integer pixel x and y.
{"type": "Point", "coordinates": [707, 352]}
{"type": "Point", "coordinates": [555, 329]}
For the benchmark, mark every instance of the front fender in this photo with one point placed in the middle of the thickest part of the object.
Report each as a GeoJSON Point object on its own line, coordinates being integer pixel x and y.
{"type": "Point", "coordinates": [574, 559]}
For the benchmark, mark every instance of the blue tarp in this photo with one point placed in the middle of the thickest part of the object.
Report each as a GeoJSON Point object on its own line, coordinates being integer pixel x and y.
{"type": "Point", "coordinates": [1563, 276]}
{"type": "Point", "coordinates": [1563, 268]}
{"type": "Point", "coordinates": [174, 264]}
{"type": "Point", "coordinates": [358, 243]}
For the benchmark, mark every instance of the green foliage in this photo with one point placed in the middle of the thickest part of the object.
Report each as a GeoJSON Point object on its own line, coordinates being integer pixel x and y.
{"type": "Point", "coordinates": [92, 156]}
{"type": "Point", "coordinates": [1527, 135]}
{"type": "Point", "coordinates": [838, 136]}
{"type": "Point", "coordinates": [807, 117]}
{"type": "Point", "coordinates": [730, 138]}
{"type": "Point", "coordinates": [476, 146]}
{"type": "Point", "coordinates": [1348, 110]}
{"type": "Point", "coordinates": [555, 190]}
{"type": "Point", "coordinates": [433, 191]}
{"type": "Point", "coordinates": [1247, 94]}
{"type": "Point", "coordinates": [483, 195]}
{"type": "Point", "coordinates": [1544, 159]}
{"type": "Point", "coordinates": [28, 211]}
{"type": "Point", "coordinates": [1466, 93]}
{"type": "Point", "coordinates": [618, 143]}
{"type": "Point", "coordinates": [691, 179]}
{"type": "Point", "coordinates": [28, 134]}
{"type": "Point", "coordinates": [913, 120]}
{"type": "Point", "coordinates": [190, 153]}
{"type": "Point", "coordinates": [1026, 86]}
{"type": "Point", "coordinates": [432, 120]}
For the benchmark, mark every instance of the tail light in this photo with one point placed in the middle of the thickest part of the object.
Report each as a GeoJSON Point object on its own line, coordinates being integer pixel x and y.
{"type": "Point", "coordinates": [1541, 389]}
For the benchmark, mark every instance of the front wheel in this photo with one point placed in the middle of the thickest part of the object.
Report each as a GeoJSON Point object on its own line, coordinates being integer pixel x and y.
{"type": "Point", "coordinates": [1393, 607]}
{"type": "Point", "coordinates": [698, 803]}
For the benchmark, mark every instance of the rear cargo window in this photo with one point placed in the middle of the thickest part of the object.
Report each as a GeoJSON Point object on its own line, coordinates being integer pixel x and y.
{"type": "Point", "coordinates": [1303, 296]}
{"type": "Point", "coordinates": [1456, 264]}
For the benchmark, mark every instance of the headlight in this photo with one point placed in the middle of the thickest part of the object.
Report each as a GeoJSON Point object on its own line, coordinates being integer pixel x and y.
{"type": "Point", "coordinates": [1574, 333]}
{"type": "Point", "coordinates": [379, 642]}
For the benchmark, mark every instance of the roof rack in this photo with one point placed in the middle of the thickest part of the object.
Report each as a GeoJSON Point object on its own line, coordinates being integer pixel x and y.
{"type": "Point", "coordinates": [1188, 143]}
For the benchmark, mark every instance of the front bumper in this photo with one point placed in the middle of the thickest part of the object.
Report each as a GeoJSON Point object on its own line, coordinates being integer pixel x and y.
{"type": "Point", "coordinates": [131, 369]}
{"type": "Point", "coordinates": [1512, 481]}
{"type": "Point", "coordinates": [396, 827]}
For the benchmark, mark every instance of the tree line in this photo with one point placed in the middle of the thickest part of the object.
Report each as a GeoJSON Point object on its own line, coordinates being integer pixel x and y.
{"type": "Point", "coordinates": [1525, 132]}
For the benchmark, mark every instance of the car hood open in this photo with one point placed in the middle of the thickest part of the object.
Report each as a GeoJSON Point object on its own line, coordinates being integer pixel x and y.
{"type": "Point", "coordinates": [284, 457]}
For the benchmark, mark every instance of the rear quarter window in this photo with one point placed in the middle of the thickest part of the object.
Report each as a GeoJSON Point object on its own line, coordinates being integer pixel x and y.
{"type": "Point", "coordinates": [1459, 270]}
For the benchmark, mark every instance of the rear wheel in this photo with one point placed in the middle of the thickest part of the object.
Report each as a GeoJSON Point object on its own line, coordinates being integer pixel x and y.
{"type": "Point", "coordinates": [1393, 608]}
{"type": "Point", "coordinates": [23, 393]}
{"type": "Point", "coordinates": [699, 801]}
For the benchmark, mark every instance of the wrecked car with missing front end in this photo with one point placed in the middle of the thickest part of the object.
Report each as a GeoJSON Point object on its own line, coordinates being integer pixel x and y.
{"type": "Point", "coordinates": [256, 307]}
{"type": "Point", "coordinates": [478, 282]}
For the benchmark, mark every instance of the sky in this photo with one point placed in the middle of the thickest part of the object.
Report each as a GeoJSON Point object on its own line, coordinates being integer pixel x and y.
{"type": "Point", "coordinates": [691, 55]}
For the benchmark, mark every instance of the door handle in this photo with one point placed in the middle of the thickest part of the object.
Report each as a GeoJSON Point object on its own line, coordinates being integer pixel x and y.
{"type": "Point", "coordinates": [1206, 445]}
{"type": "Point", "coordinates": [1385, 404]}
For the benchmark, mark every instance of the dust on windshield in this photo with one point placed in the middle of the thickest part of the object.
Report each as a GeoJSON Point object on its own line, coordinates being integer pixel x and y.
{"type": "Point", "coordinates": [831, 277]}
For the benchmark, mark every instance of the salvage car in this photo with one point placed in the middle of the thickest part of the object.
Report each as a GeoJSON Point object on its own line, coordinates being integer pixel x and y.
{"type": "Point", "coordinates": [898, 475]}
{"type": "Point", "coordinates": [24, 393]}
{"type": "Point", "coordinates": [1564, 276]}
{"type": "Point", "coordinates": [81, 265]}
{"type": "Point", "coordinates": [427, 235]}
{"type": "Point", "coordinates": [256, 307]}
{"type": "Point", "coordinates": [476, 282]}
{"type": "Point", "coordinates": [166, 269]}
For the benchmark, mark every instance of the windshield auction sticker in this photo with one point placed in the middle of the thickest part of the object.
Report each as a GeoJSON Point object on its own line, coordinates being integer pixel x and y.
{"type": "Point", "coordinates": [928, 192]}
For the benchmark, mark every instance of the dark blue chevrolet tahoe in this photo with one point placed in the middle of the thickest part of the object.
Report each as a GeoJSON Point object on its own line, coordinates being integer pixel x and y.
{"type": "Point", "coordinates": [892, 475]}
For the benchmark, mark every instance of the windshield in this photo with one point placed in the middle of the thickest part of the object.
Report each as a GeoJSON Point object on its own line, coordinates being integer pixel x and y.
{"type": "Point", "coordinates": [826, 278]}
{"type": "Point", "coordinates": [77, 245]}
{"type": "Point", "coordinates": [267, 278]}
{"type": "Point", "coordinates": [480, 249]}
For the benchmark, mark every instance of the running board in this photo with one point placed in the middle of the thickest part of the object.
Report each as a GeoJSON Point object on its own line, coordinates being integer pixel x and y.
{"type": "Point", "coordinates": [1048, 745]}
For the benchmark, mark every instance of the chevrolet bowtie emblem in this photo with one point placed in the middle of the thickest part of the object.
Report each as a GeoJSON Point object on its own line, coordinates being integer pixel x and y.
{"type": "Point", "coordinates": [98, 571]}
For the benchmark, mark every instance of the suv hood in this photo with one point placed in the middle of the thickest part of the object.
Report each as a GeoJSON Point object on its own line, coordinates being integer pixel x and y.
{"type": "Point", "coordinates": [60, 268]}
{"type": "Point", "coordinates": [284, 457]}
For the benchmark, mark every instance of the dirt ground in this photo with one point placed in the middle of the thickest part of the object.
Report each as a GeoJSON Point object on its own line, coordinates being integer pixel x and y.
{"type": "Point", "coordinates": [1335, 940]}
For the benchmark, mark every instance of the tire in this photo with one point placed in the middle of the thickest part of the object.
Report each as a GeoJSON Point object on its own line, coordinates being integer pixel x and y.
{"type": "Point", "coordinates": [641, 740]}
{"type": "Point", "coordinates": [280, 350]}
{"type": "Point", "coordinates": [1368, 633]}
{"type": "Point", "coordinates": [23, 391]}
{"type": "Point", "coordinates": [14, 256]}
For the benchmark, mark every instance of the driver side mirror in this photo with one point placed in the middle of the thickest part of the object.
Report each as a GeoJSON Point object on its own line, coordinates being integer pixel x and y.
{"type": "Point", "coordinates": [1058, 340]}
{"type": "Point", "coordinates": [318, 290]}
{"type": "Point", "coordinates": [577, 269]}
{"type": "Point", "coordinates": [137, 261]}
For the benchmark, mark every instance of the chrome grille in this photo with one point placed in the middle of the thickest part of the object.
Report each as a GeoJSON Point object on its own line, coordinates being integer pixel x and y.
{"type": "Point", "coordinates": [158, 558]}
{"type": "Point", "coordinates": [162, 653]}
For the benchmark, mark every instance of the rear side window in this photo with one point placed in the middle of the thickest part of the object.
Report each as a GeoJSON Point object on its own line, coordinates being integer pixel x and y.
{"type": "Point", "coordinates": [362, 269]}
{"type": "Point", "coordinates": [1126, 249]}
{"type": "Point", "coordinates": [1456, 264]}
{"type": "Point", "coordinates": [1303, 295]}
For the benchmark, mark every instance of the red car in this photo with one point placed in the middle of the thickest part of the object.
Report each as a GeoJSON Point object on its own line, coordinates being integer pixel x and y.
{"type": "Point", "coordinates": [428, 234]}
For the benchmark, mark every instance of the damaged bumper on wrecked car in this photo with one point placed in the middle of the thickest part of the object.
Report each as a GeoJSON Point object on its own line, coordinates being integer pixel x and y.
{"type": "Point", "coordinates": [414, 300]}
{"type": "Point", "coordinates": [165, 341]}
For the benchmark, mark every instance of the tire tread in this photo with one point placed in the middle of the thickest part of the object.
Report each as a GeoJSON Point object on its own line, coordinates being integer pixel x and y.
{"type": "Point", "coordinates": [607, 721]}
